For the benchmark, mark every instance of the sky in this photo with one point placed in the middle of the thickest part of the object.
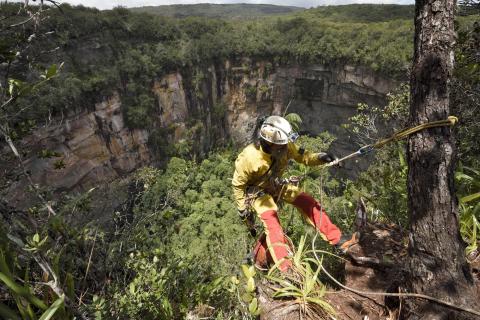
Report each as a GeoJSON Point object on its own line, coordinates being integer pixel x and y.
{"type": "Point", "coordinates": [103, 4]}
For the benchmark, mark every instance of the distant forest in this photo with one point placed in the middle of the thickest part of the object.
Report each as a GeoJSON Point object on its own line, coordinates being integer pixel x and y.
{"type": "Point", "coordinates": [210, 10]}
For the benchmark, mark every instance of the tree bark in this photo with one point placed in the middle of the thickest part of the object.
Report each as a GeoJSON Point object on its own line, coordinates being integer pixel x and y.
{"type": "Point", "coordinates": [437, 264]}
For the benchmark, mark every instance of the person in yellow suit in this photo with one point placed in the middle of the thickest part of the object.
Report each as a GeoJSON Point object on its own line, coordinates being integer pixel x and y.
{"type": "Point", "coordinates": [258, 186]}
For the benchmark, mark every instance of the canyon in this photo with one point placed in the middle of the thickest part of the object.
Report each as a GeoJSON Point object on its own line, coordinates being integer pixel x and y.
{"type": "Point", "coordinates": [205, 108]}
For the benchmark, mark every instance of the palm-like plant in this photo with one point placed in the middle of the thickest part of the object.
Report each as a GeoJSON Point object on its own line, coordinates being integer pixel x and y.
{"type": "Point", "coordinates": [301, 285]}
{"type": "Point", "coordinates": [469, 181]}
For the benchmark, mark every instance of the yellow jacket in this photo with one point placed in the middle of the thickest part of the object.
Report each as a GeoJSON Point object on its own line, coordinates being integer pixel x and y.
{"type": "Point", "coordinates": [253, 164]}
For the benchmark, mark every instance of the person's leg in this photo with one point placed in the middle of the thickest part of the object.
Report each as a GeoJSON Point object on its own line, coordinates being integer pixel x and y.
{"type": "Point", "coordinates": [317, 216]}
{"type": "Point", "coordinates": [313, 212]}
{"type": "Point", "coordinates": [274, 237]}
{"type": "Point", "coordinates": [261, 256]}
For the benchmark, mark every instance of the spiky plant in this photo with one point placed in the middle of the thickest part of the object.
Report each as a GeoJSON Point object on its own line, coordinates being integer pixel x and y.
{"type": "Point", "coordinates": [301, 285]}
{"type": "Point", "coordinates": [468, 180]}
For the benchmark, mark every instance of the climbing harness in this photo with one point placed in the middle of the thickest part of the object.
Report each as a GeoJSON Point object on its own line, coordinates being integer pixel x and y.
{"type": "Point", "coordinates": [450, 121]}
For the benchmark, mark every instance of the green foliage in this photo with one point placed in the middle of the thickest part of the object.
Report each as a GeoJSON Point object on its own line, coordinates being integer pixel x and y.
{"type": "Point", "coordinates": [384, 186]}
{"type": "Point", "coordinates": [210, 10]}
{"type": "Point", "coordinates": [364, 12]}
{"type": "Point", "coordinates": [301, 284]}
{"type": "Point", "coordinates": [295, 121]}
{"type": "Point", "coordinates": [384, 183]}
{"type": "Point", "coordinates": [186, 219]}
{"type": "Point", "coordinates": [246, 289]}
{"type": "Point", "coordinates": [468, 184]}
{"type": "Point", "coordinates": [465, 97]}
{"type": "Point", "coordinates": [26, 300]}
{"type": "Point", "coordinates": [128, 51]}
{"type": "Point", "coordinates": [145, 294]}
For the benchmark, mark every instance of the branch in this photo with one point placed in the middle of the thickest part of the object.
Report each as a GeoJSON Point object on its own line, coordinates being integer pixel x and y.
{"type": "Point", "coordinates": [54, 285]}
{"type": "Point", "coordinates": [9, 141]}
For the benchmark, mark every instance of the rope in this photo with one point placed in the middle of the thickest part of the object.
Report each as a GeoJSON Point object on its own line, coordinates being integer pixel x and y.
{"type": "Point", "coordinates": [387, 294]}
{"type": "Point", "coordinates": [403, 133]}
{"type": "Point", "coordinates": [450, 121]}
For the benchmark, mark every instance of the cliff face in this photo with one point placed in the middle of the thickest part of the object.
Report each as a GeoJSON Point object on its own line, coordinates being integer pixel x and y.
{"type": "Point", "coordinates": [77, 153]}
{"type": "Point", "coordinates": [202, 108]}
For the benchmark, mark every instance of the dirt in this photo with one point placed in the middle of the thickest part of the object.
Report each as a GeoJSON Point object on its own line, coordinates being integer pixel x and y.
{"type": "Point", "coordinates": [375, 265]}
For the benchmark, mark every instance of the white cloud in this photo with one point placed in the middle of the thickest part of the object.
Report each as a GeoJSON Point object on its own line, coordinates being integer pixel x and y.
{"type": "Point", "coordinates": [302, 3]}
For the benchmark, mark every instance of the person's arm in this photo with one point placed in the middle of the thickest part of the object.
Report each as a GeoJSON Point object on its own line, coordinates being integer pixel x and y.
{"type": "Point", "coordinates": [240, 181]}
{"type": "Point", "coordinates": [308, 158]}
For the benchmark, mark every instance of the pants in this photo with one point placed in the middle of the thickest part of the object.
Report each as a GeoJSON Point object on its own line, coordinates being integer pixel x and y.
{"type": "Point", "coordinates": [272, 246]}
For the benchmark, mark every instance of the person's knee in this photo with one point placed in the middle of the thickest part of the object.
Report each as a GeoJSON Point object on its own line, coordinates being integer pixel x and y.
{"type": "Point", "coordinates": [291, 193]}
{"type": "Point", "coordinates": [264, 203]}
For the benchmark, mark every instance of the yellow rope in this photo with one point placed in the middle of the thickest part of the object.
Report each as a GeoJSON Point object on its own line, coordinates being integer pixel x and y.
{"type": "Point", "coordinates": [450, 121]}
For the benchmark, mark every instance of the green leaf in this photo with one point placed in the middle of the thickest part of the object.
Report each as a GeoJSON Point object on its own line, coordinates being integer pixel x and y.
{"type": "Point", "coordinates": [132, 288]}
{"type": "Point", "coordinates": [250, 285]}
{"type": "Point", "coordinates": [70, 285]}
{"type": "Point", "coordinates": [470, 197]}
{"type": "Point", "coordinates": [323, 304]}
{"type": "Point", "coordinates": [247, 297]}
{"type": "Point", "coordinates": [7, 313]}
{"type": "Point", "coordinates": [401, 157]}
{"type": "Point", "coordinates": [287, 293]}
{"type": "Point", "coordinates": [462, 176]}
{"type": "Point", "coordinates": [52, 71]}
{"type": "Point", "coordinates": [36, 238]}
{"type": "Point", "coordinates": [4, 265]}
{"type": "Point", "coordinates": [252, 307]}
{"type": "Point", "coordinates": [295, 120]}
{"type": "Point", "coordinates": [12, 285]}
{"type": "Point", "coordinates": [21, 291]}
{"type": "Point", "coordinates": [298, 255]}
{"type": "Point", "coordinates": [53, 309]}
{"type": "Point", "coordinates": [249, 272]}
{"type": "Point", "coordinates": [167, 307]}
{"type": "Point", "coordinates": [11, 86]}
{"type": "Point", "coordinates": [56, 260]}
{"type": "Point", "coordinates": [42, 242]}
{"type": "Point", "coordinates": [16, 240]}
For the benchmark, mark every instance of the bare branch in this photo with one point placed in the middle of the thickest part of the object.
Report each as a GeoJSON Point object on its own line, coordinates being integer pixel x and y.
{"type": "Point", "coordinates": [4, 132]}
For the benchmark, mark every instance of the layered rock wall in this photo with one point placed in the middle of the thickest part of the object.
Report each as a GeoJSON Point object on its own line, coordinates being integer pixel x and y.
{"type": "Point", "coordinates": [77, 153]}
{"type": "Point", "coordinates": [204, 107]}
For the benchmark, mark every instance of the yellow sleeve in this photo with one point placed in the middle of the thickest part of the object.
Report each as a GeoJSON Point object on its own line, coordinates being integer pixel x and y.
{"type": "Point", "coordinates": [301, 155]}
{"type": "Point", "coordinates": [243, 171]}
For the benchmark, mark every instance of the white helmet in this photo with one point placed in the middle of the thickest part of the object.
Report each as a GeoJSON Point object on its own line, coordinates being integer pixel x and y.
{"type": "Point", "coordinates": [277, 130]}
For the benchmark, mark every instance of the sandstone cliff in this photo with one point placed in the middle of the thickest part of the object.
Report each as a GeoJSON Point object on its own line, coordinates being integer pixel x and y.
{"type": "Point", "coordinates": [206, 107]}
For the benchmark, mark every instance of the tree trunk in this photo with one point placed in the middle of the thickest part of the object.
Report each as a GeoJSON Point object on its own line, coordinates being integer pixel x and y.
{"type": "Point", "coordinates": [437, 264]}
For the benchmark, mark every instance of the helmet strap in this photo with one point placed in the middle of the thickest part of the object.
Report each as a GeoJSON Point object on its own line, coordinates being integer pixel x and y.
{"type": "Point", "coordinates": [265, 146]}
